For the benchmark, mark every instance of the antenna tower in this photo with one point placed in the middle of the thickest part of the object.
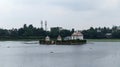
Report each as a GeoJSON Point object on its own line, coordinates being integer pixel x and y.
{"type": "Point", "coordinates": [45, 25]}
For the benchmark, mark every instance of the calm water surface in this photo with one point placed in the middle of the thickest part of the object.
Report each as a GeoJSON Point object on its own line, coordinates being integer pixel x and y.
{"type": "Point", "coordinates": [31, 54]}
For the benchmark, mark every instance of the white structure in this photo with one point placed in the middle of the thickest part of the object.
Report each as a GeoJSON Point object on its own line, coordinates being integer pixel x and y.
{"type": "Point", "coordinates": [108, 34]}
{"type": "Point", "coordinates": [45, 25]}
{"type": "Point", "coordinates": [67, 38]}
{"type": "Point", "coordinates": [59, 38]}
{"type": "Point", "coordinates": [41, 24]}
{"type": "Point", "coordinates": [77, 35]}
{"type": "Point", "coordinates": [47, 38]}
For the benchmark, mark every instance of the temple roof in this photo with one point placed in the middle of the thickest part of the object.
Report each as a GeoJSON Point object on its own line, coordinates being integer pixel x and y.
{"type": "Point", "coordinates": [77, 33]}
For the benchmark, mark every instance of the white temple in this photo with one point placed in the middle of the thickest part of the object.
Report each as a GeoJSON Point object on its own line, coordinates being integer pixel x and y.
{"type": "Point", "coordinates": [47, 38]}
{"type": "Point", "coordinates": [59, 38]}
{"type": "Point", "coordinates": [77, 35]}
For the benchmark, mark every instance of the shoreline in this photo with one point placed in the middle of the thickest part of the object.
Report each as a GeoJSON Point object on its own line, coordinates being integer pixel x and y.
{"type": "Point", "coordinates": [19, 39]}
{"type": "Point", "coordinates": [103, 40]}
{"type": "Point", "coordinates": [88, 40]}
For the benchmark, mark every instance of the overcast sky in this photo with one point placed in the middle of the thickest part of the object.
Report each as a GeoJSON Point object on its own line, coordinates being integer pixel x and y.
{"type": "Point", "coordinates": [79, 14]}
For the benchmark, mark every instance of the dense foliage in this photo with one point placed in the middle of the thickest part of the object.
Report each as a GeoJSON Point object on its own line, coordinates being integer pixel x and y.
{"type": "Point", "coordinates": [100, 33]}
{"type": "Point", "coordinates": [31, 32]}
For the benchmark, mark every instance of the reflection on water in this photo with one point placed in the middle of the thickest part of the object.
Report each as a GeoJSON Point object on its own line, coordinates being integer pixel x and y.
{"type": "Point", "coordinates": [31, 54]}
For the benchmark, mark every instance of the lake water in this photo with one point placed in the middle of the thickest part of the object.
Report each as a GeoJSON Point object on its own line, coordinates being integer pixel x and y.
{"type": "Point", "coordinates": [32, 54]}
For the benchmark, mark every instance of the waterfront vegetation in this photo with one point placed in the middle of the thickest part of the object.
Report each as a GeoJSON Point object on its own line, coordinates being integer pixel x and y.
{"type": "Point", "coordinates": [29, 32]}
{"type": "Point", "coordinates": [103, 40]}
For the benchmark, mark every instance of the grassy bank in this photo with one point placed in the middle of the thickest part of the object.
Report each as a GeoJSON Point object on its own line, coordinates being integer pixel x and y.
{"type": "Point", "coordinates": [103, 40]}
{"type": "Point", "coordinates": [29, 38]}
{"type": "Point", "coordinates": [19, 39]}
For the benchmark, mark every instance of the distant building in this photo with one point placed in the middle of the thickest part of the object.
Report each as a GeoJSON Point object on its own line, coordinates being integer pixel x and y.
{"type": "Point", "coordinates": [47, 38]}
{"type": "Point", "coordinates": [98, 30]}
{"type": "Point", "coordinates": [56, 28]}
{"type": "Point", "coordinates": [59, 38]}
{"type": "Point", "coordinates": [118, 28]}
{"type": "Point", "coordinates": [67, 38]}
{"type": "Point", "coordinates": [108, 35]}
{"type": "Point", "coordinates": [75, 36]}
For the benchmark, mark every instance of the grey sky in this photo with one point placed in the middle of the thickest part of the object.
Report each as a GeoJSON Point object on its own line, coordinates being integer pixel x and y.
{"type": "Point", "coordinates": [79, 14]}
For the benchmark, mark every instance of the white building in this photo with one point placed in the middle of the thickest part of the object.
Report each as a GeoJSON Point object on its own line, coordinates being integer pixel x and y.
{"type": "Point", "coordinates": [77, 35]}
{"type": "Point", "coordinates": [67, 38]}
{"type": "Point", "coordinates": [59, 38]}
{"type": "Point", "coordinates": [47, 38]}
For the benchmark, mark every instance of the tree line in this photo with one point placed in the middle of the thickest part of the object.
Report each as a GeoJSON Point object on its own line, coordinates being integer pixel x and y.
{"type": "Point", "coordinates": [31, 32]}
{"type": "Point", "coordinates": [102, 33]}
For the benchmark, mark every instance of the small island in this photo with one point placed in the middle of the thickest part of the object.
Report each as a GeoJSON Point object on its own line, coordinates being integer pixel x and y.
{"type": "Point", "coordinates": [75, 39]}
